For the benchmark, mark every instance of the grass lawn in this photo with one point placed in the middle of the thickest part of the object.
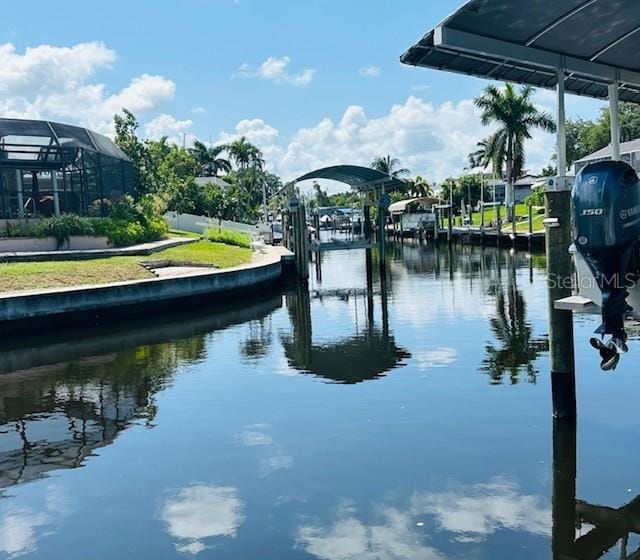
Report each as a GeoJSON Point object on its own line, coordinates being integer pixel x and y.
{"type": "Point", "coordinates": [61, 274]}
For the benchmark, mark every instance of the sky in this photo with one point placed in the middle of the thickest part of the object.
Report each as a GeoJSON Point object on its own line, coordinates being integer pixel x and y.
{"type": "Point", "coordinates": [310, 82]}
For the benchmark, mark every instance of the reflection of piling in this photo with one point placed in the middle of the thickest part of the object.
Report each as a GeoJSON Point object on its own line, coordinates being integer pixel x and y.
{"type": "Point", "coordinates": [369, 269]}
{"type": "Point", "coordinates": [559, 276]}
{"type": "Point", "coordinates": [563, 503]}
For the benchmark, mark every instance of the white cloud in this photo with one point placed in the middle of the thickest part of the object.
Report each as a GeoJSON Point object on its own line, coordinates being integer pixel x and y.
{"type": "Point", "coordinates": [370, 71]}
{"type": "Point", "coordinates": [431, 140]}
{"type": "Point", "coordinates": [58, 83]}
{"type": "Point", "coordinates": [172, 128]}
{"type": "Point", "coordinates": [275, 70]}
{"type": "Point", "coordinates": [198, 110]}
{"type": "Point", "coordinates": [202, 512]}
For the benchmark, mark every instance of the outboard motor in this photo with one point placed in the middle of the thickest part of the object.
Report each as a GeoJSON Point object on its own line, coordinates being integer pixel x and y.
{"type": "Point", "coordinates": [606, 199]}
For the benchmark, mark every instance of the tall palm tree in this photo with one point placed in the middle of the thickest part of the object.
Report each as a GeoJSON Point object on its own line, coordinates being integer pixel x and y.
{"type": "Point", "coordinates": [515, 115]}
{"type": "Point", "coordinates": [389, 165]}
{"type": "Point", "coordinates": [209, 159]}
{"type": "Point", "coordinates": [245, 154]}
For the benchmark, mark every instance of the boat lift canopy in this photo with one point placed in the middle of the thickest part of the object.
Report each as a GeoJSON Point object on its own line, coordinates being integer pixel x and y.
{"type": "Point", "coordinates": [362, 179]}
{"type": "Point", "coordinates": [596, 42]}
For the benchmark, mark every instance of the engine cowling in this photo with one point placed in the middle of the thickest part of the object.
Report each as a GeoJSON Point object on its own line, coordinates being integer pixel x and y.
{"type": "Point", "coordinates": [606, 231]}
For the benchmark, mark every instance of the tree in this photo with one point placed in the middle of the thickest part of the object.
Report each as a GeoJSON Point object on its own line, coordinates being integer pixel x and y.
{"type": "Point", "coordinates": [516, 116]}
{"type": "Point", "coordinates": [244, 153]}
{"type": "Point", "coordinates": [389, 166]}
{"type": "Point", "coordinates": [420, 188]}
{"type": "Point", "coordinates": [322, 198]}
{"type": "Point", "coordinates": [209, 159]}
{"type": "Point", "coordinates": [480, 157]}
{"type": "Point", "coordinates": [126, 138]}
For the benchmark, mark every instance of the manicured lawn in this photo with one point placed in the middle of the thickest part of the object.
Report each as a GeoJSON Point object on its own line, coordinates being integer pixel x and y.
{"type": "Point", "coordinates": [59, 274]}
{"type": "Point", "coordinates": [219, 255]}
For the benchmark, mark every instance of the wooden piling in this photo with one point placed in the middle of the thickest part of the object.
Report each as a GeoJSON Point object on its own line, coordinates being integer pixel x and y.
{"type": "Point", "coordinates": [559, 281]}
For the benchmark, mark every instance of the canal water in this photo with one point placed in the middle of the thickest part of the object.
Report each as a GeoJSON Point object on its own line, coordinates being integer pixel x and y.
{"type": "Point", "coordinates": [361, 419]}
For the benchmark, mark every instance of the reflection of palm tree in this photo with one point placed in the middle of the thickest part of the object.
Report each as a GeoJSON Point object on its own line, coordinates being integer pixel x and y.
{"type": "Point", "coordinates": [519, 349]}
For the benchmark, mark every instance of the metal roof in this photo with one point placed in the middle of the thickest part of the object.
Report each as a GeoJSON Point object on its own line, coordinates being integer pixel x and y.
{"type": "Point", "coordinates": [401, 206]}
{"type": "Point", "coordinates": [625, 148]}
{"type": "Point", "coordinates": [360, 178]}
{"type": "Point", "coordinates": [596, 42]}
{"type": "Point", "coordinates": [47, 133]}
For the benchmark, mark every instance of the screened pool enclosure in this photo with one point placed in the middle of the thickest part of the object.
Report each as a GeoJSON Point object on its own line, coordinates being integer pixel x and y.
{"type": "Point", "coordinates": [48, 168]}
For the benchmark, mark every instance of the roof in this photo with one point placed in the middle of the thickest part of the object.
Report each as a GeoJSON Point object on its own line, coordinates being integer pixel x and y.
{"type": "Point", "coordinates": [525, 181]}
{"type": "Point", "coordinates": [202, 181]}
{"type": "Point", "coordinates": [45, 134]}
{"type": "Point", "coordinates": [604, 153]}
{"type": "Point", "coordinates": [360, 178]}
{"type": "Point", "coordinates": [401, 206]}
{"type": "Point", "coordinates": [596, 42]}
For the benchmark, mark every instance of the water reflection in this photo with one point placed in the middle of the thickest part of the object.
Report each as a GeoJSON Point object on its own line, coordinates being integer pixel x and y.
{"type": "Point", "coordinates": [54, 414]}
{"type": "Point", "coordinates": [367, 354]}
{"type": "Point", "coordinates": [195, 514]}
{"type": "Point", "coordinates": [518, 348]}
{"type": "Point", "coordinates": [465, 515]}
{"type": "Point", "coordinates": [580, 529]}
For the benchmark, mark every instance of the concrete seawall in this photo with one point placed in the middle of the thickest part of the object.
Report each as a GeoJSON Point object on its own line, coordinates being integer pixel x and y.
{"type": "Point", "coordinates": [90, 303]}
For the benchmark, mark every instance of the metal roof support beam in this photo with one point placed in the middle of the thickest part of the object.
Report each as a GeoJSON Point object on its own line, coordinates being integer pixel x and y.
{"type": "Point", "coordinates": [447, 38]}
{"type": "Point", "coordinates": [615, 121]}
{"type": "Point", "coordinates": [561, 127]}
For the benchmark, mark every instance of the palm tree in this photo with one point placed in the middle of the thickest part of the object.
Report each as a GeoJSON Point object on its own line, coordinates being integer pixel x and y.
{"type": "Point", "coordinates": [389, 165]}
{"type": "Point", "coordinates": [420, 188]}
{"type": "Point", "coordinates": [515, 115]}
{"type": "Point", "coordinates": [245, 154]}
{"type": "Point", "coordinates": [480, 157]}
{"type": "Point", "coordinates": [209, 159]}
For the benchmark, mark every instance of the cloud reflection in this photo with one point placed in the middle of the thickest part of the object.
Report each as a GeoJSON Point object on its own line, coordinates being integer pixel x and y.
{"type": "Point", "coordinates": [202, 512]}
{"type": "Point", "coordinates": [274, 457]}
{"type": "Point", "coordinates": [21, 528]}
{"type": "Point", "coordinates": [467, 513]}
{"type": "Point", "coordinates": [473, 512]}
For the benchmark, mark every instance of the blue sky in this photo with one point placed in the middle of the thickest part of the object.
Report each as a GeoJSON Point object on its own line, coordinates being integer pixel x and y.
{"type": "Point", "coordinates": [312, 82]}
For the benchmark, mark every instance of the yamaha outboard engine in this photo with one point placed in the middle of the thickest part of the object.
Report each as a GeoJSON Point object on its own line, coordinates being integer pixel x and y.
{"type": "Point", "coordinates": [606, 199]}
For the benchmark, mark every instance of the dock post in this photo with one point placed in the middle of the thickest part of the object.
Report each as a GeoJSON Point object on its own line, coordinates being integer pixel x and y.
{"type": "Point", "coordinates": [450, 227]}
{"type": "Point", "coordinates": [367, 222]}
{"type": "Point", "coordinates": [559, 277]}
{"type": "Point", "coordinates": [382, 235]}
{"type": "Point", "coordinates": [482, 222]}
{"type": "Point", "coordinates": [530, 224]}
{"type": "Point", "coordinates": [498, 224]}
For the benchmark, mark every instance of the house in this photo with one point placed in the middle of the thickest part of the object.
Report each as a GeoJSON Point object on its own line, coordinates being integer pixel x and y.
{"type": "Point", "coordinates": [629, 153]}
{"type": "Point", "coordinates": [522, 189]}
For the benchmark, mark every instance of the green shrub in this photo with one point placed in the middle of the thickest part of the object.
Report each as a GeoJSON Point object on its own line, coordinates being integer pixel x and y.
{"type": "Point", "coordinates": [128, 226]}
{"type": "Point", "coordinates": [228, 237]}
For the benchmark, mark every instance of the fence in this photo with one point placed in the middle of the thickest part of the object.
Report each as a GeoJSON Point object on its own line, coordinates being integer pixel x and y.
{"type": "Point", "coordinates": [199, 224]}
